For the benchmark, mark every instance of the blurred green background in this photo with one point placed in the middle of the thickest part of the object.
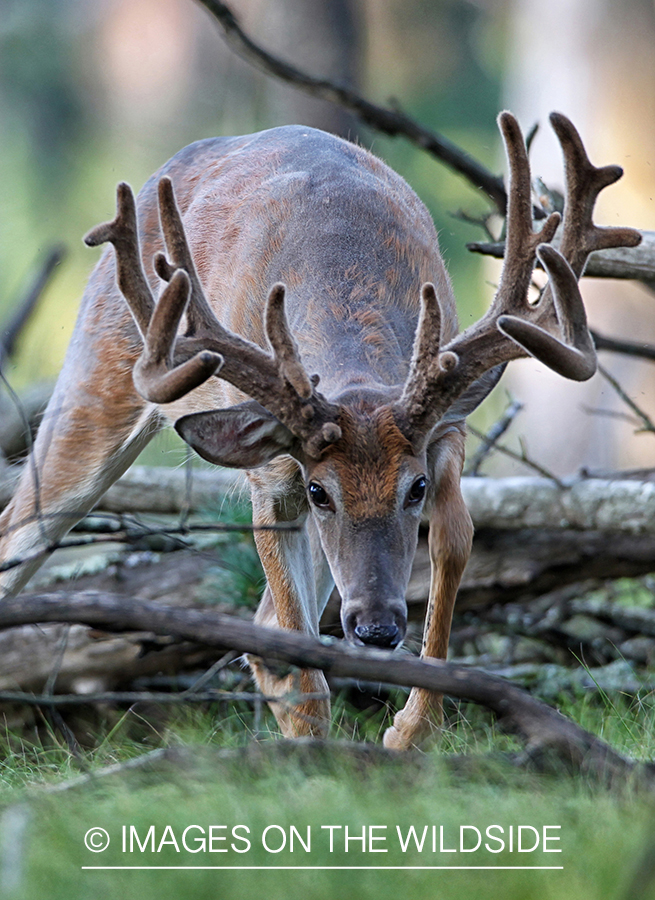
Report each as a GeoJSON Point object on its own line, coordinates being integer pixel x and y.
{"type": "Point", "coordinates": [96, 92]}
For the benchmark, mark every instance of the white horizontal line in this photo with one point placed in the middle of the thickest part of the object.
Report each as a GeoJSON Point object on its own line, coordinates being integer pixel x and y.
{"type": "Point", "coordinates": [323, 868]}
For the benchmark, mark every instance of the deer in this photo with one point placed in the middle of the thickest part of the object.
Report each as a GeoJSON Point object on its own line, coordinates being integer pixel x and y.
{"type": "Point", "coordinates": [281, 299]}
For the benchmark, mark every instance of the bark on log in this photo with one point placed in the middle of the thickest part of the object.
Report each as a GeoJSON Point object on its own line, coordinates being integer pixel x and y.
{"type": "Point", "coordinates": [505, 566]}
{"type": "Point", "coordinates": [510, 565]}
{"type": "Point", "coordinates": [94, 661]}
{"type": "Point", "coordinates": [154, 489]}
{"type": "Point", "coordinates": [583, 504]}
{"type": "Point", "coordinates": [626, 507]}
{"type": "Point", "coordinates": [543, 728]}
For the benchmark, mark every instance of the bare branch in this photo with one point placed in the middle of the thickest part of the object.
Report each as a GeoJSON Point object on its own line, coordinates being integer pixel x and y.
{"type": "Point", "coordinates": [389, 121]}
{"type": "Point", "coordinates": [611, 414]}
{"type": "Point", "coordinates": [137, 534]}
{"type": "Point", "coordinates": [132, 697]}
{"type": "Point", "coordinates": [494, 434]}
{"type": "Point", "coordinates": [11, 331]}
{"type": "Point", "coordinates": [636, 263]}
{"type": "Point", "coordinates": [521, 457]}
{"type": "Point", "coordinates": [629, 348]}
{"type": "Point", "coordinates": [648, 424]}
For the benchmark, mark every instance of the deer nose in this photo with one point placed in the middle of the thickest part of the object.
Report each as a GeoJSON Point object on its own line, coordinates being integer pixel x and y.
{"type": "Point", "coordinates": [378, 635]}
{"type": "Point", "coordinates": [382, 625]}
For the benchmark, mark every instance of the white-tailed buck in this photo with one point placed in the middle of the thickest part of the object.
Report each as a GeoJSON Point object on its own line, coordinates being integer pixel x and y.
{"type": "Point", "coordinates": [307, 333]}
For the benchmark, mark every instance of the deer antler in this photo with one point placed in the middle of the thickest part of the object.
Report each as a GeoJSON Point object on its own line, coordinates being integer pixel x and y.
{"type": "Point", "coordinates": [172, 365]}
{"type": "Point", "coordinates": [554, 330]}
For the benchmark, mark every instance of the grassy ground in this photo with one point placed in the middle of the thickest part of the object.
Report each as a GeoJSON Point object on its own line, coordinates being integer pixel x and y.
{"type": "Point", "coordinates": [231, 771]}
{"type": "Point", "coordinates": [230, 780]}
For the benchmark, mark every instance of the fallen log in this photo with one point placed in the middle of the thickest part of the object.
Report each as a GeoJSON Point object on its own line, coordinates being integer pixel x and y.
{"type": "Point", "coordinates": [580, 504]}
{"type": "Point", "coordinates": [506, 566]}
{"type": "Point", "coordinates": [544, 730]}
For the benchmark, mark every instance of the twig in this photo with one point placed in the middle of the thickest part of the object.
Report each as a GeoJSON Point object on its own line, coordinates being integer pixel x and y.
{"type": "Point", "coordinates": [392, 122]}
{"type": "Point", "coordinates": [48, 701]}
{"type": "Point", "coordinates": [611, 414]}
{"type": "Point", "coordinates": [11, 331]}
{"type": "Point", "coordinates": [630, 348]}
{"type": "Point", "coordinates": [127, 536]}
{"type": "Point", "coordinates": [213, 670]}
{"type": "Point", "coordinates": [480, 221]}
{"type": "Point", "coordinates": [493, 435]}
{"type": "Point", "coordinates": [49, 688]}
{"type": "Point", "coordinates": [521, 457]}
{"type": "Point", "coordinates": [648, 424]}
{"type": "Point", "coordinates": [531, 135]}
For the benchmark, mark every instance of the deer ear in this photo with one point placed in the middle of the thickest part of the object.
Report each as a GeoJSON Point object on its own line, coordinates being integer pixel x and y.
{"type": "Point", "coordinates": [473, 396]}
{"type": "Point", "coordinates": [242, 437]}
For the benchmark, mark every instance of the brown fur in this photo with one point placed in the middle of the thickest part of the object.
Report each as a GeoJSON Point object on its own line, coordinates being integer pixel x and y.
{"type": "Point", "coordinates": [368, 460]}
{"type": "Point", "coordinates": [450, 540]}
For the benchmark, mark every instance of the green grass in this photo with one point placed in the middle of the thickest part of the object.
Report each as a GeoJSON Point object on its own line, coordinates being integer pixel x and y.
{"type": "Point", "coordinates": [602, 837]}
{"type": "Point", "coordinates": [231, 780]}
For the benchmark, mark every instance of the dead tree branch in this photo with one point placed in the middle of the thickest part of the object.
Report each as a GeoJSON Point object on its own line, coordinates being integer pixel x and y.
{"type": "Point", "coordinates": [647, 422]}
{"type": "Point", "coordinates": [636, 263]}
{"type": "Point", "coordinates": [542, 727]}
{"type": "Point", "coordinates": [629, 348]}
{"type": "Point", "coordinates": [389, 121]}
{"type": "Point", "coordinates": [133, 697]}
{"type": "Point", "coordinates": [11, 331]}
{"type": "Point", "coordinates": [521, 457]}
{"type": "Point", "coordinates": [581, 504]}
{"type": "Point", "coordinates": [626, 507]}
{"type": "Point", "coordinates": [489, 440]}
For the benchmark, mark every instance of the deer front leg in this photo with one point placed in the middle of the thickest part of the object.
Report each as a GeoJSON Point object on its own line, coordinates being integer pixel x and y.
{"type": "Point", "coordinates": [298, 585]}
{"type": "Point", "coordinates": [450, 539]}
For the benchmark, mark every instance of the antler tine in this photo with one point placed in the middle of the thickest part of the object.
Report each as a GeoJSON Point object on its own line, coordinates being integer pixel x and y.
{"type": "Point", "coordinates": [171, 365]}
{"type": "Point", "coordinates": [301, 408]}
{"type": "Point", "coordinates": [427, 344]}
{"type": "Point", "coordinates": [555, 329]}
{"type": "Point", "coordinates": [200, 317]}
{"type": "Point", "coordinates": [122, 233]}
{"type": "Point", "coordinates": [561, 305]}
{"type": "Point", "coordinates": [284, 347]}
{"type": "Point", "coordinates": [584, 182]}
{"type": "Point", "coordinates": [573, 355]}
{"type": "Point", "coordinates": [199, 313]}
{"type": "Point", "coordinates": [522, 241]}
{"type": "Point", "coordinates": [157, 376]}
{"type": "Point", "coordinates": [438, 376]}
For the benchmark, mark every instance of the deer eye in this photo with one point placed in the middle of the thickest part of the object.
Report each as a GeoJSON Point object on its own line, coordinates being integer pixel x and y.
{"type": "Point", "coordinates": [417, 491]}
{"type": "Point", "coordinates": [318, 495]}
